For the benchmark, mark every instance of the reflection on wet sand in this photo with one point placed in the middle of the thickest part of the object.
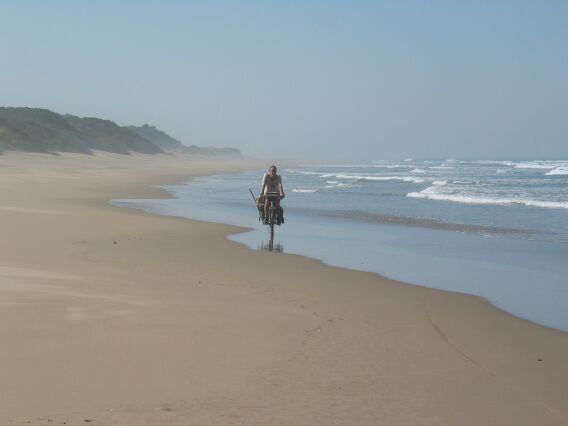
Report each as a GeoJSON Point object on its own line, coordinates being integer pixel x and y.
{"type": "Point", "coordinates": [271, 246]}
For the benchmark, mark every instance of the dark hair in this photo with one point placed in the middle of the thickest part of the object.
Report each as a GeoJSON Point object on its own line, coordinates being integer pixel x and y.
{"type": "Point", "coordinates": [270, 168]}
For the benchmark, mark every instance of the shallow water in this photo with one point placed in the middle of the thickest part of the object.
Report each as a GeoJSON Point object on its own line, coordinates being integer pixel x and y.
{"type": "Point", "coordinates": [515, 255]}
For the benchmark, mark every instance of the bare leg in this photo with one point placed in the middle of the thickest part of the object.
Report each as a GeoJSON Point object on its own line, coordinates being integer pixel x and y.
{"type": "Point", "coordinates": [277, 210]}
{"type": "Point", "coordinates": [266, 206]}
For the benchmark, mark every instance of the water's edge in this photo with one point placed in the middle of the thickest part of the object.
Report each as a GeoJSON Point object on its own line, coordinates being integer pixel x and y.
{"type": "Point", "coordinates": [241, 230]}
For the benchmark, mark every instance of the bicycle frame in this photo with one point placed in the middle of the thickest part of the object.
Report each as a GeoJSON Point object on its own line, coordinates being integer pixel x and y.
{"type": "Point", "coordinates": [272, 213]}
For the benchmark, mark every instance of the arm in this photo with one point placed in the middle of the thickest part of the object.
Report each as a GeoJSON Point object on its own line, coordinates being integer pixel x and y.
{"type": "Point", "coordinates": [281, 187]}
{"type": "Point", "coordinates": [263, 184]}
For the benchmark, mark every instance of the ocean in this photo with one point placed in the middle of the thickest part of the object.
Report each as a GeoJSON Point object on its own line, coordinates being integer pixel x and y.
{"type": "Point", "coordinates": [494, 229]}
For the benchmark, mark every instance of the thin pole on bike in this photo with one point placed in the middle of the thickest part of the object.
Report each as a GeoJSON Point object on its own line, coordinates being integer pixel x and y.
{"type": "Point", "coordinates": [254, 199]}
{"type": "Point", "coordinates": [252, 195]}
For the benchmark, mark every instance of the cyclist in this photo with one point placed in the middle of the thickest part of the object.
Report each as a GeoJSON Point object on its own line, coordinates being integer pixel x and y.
{"type": "Point", "coordinates": [271, 182]}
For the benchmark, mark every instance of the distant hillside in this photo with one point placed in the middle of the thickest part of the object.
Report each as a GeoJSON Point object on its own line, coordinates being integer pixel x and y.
{"type": "Point", "coordinates": [211, 150]}
{"type": "Point", "coordinates": [167, 143]}
{"type": "Point", "coordinates": [41, 130]}
{"type": "Point", "coordinates": [157, 137]}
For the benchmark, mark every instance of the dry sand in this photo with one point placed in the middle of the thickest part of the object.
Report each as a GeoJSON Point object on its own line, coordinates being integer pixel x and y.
{"type": "Point", "coordinates": [111, 316]}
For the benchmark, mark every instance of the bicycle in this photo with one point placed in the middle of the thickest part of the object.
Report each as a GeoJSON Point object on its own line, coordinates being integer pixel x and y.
{"type": "Point", "coordinates": [274, 216]}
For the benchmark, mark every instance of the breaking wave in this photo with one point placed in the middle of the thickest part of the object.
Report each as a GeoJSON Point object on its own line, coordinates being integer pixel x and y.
{"type": "Point", "coordinates": [432, 193]}
{"type": "Point", "coordinates": [561, 170]}
{"type": "Point", "coordinates": [305, 190]}
{"type": "Point", "coordinates": [363, 178]}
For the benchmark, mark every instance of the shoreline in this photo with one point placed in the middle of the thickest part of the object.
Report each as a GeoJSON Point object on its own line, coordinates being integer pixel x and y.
{"type": "Point", "coordinates": [237, 229]}
{"type": "Point", "coordinates": [243, 230]}
{"type": "Point", "coordinates": [179, 324]}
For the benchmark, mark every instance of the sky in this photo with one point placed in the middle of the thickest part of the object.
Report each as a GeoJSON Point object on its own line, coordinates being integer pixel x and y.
{"type": "Point", "coordinates": [330, 80]}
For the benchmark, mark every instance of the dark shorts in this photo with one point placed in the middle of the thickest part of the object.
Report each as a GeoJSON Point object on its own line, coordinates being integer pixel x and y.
{"type": "Point", "coordinates": [275, 200]}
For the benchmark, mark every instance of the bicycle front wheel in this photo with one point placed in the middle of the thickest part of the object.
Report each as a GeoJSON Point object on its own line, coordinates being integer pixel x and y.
{"type": "Point", "coordinates": [272, 221]}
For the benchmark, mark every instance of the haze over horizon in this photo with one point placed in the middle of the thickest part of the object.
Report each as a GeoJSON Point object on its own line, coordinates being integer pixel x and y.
{"type": "Point", "coordinates": [317, 80]}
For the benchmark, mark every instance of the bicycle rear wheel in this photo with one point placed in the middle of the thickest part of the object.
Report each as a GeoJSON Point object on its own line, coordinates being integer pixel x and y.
{"type": "Point", "coordinates": [272, 221]}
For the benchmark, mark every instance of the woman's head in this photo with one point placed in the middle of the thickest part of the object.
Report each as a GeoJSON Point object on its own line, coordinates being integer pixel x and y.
{"type": "Point", "coordinates": [272, 169]}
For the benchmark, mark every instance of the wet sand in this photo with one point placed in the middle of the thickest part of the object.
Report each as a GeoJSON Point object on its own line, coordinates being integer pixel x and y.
{"type": "Point", "coordinates": [112, 316]}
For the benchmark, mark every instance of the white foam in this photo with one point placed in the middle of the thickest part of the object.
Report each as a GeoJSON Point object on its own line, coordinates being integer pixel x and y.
{"type": "Point", "coordinates": [313, 173]}
{"type": "Point", "coordinates": [380, 178]}
{"type": "Point", "coordinates": [432, 194]}
{"type": "Point", "coordinates": [501, 163]}
{"type": "Point", "coordinates": [304, 190]}
{"type": "Point", "coordinates": [344, 176]}
{"type": "Point", "coordinates": [440, 182]}
{"type": "Point", "coordinates": [547, 204]}
{"type": "Point", "coordinates": [561, 170]}
{"type": "Point", "coordinates": [442, 167]}
{"type": "Point", "coordinates": [338, 185]}
{"type": "Point", "coordinates": [356, 166]}
{"type": "Point", "coordinates": [320, 174]}
{"type": "Point", "coordinates": [534, 165]}
{"type": "Point", "coordinates": [418, 171]}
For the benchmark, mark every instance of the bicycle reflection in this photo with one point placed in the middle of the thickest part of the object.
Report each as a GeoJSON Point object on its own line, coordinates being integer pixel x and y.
{"type": "Point", "coordinates": [271, 246]}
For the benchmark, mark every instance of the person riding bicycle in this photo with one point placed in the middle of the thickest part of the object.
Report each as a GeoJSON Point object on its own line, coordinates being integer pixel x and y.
{"type": "Point", "coordinates": [271, 182]}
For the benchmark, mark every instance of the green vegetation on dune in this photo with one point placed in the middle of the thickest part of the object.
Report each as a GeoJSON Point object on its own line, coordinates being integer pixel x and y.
{"type": "Point", "coordinates": [159, 138]}
{"type": "Point", "coordinates": [42, 130]}
{"type": "Point", "coordinates": [38, 130]}
{"type": "Point", "coordinates": [212, 151]}
{"type": "Point", "coordinates": [167, 143]}
{"type": "Point", "coordinates": [105, 135]}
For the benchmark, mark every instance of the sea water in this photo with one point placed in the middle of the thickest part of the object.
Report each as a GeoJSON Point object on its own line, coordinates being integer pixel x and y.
{"type": "Point", "coordinates": [495, 229]}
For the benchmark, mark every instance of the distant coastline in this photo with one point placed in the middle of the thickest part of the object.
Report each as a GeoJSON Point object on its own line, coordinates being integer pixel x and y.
{"type": "Point", "coordinates": [45, 131]}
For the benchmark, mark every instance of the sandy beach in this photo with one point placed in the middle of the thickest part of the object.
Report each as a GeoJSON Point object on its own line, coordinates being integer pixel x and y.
{"type": "Point", "coordinates": [111, 316]}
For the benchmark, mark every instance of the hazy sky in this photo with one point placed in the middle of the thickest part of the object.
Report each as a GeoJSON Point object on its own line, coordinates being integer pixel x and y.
{"type": "Point", "coordinates": [303, 79]}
